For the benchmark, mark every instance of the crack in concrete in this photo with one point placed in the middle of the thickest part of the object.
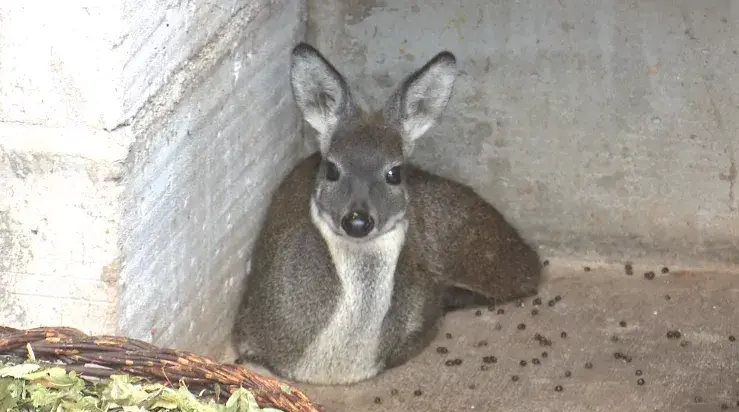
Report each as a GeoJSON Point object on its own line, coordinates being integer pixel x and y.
{"type": "Point", "coordinates": [732, 182]}
{"type": "Point", "coordinates": [731, 177]}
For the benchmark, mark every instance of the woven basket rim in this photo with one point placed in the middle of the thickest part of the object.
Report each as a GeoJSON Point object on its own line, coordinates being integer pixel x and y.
{"type": "Point", "coordinates": [103, 355]}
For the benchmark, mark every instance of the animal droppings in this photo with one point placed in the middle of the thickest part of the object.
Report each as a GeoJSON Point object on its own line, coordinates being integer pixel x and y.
{"type": "Point", "coordinates": [489, 359]}
{"type": "Point", "coordinates": [558, 388]}
{"type": "Point", "coordinates": [535, 361]}
{"type": "Point", "coordinates": [448, 335]}
{"type": "Point", "coordinates": [649, 275]}
{"type": "Point", "coordinates": [684, 343]}
{"type": "Point", "coordinates": [393, 392]}
{"type": "Point", "coordinates": [501, 311]}
{"type": "Point", "coordinates": [521, 326]}
{"type": "Point", "coordinates": [545, 263]}
{"type": "Point", "coordinates": [629, 269]}
{"type": "Point", "coordinates": [442, 350]}
{"type": "Point", "coordinates": [472, 386]}
{"type": "Point", "coordinates": [622, 323]}
{"type": "Point", "coordinates": [557, 298]}
{"type": "Point", "coordinates": [638, 372]}
{"type": "Point", "coordinates": [640, 381]}
{"type": "Point", "coordinates": [534, 312]}
{"type": "Point", "coordinates": [568, 374]}
{"type": "Point", "coordinates": [514, 378]}
{"type": "Point", "coordinates": [478, 313]}
{"type": "Point", "coordinates": [563, 335]}
{"type": "Point", "coordinates": [732, 338]}
{"type": "Point", "coordinates": [673, 334]}
{"type": "Point", "coordinates": [491, 308]}
{"type": "Point", "coordinates": [457, 362]}
{"type": "Point", "coordinates": [623, 357]}
{"type": "Point", "coordinates": [417, 392]}
{"type": "Point", "coordinates": [665, 269]}
{"type": "Point", "coordinates": [481, 344]}
{"type": "Point", "coordinates": [551, 303]}
{"type": "Point", "coordinates": [586, 268]}
{"type": "Point", "coordinates": [588, 365]}
{"type": "Point", "coordinates": [544, 354]}
{"type": "Point", "coordinates": [698, 399]}
{"type": "Point", "coordinates": [522, 363]}
{"type": "Point", "coordinates": [614, 338]}
{"type": "Point", "coordinates": [667, 297]}
{"type": "Point", "coordinates": [537, 302]}
{"type": "Point", "coordinates": [484, 367]}
{"type": "Point", "coordinates": [378, 400]}
{"type": "Point", "coordinates": [542, 340]}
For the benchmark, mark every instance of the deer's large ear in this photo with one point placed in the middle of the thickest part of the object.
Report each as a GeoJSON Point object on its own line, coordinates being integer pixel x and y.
{"type": "Point", "coordinates": [422, 97]}
{"type": "Point", "coordinates": [320, 92]}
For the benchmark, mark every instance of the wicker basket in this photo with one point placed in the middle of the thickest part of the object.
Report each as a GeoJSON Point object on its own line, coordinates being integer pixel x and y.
{"type": "Point", "coordinates": [109, 355]}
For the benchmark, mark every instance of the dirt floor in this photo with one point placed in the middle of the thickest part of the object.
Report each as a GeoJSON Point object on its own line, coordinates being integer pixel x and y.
{"type": "Point", "coordinates": [602, 345]}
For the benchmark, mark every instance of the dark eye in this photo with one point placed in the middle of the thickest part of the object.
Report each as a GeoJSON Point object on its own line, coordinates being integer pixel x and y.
{"type": "Point", "coordinates": [393, 176]}
{"type": "Point", "coordinates": [332, 172]}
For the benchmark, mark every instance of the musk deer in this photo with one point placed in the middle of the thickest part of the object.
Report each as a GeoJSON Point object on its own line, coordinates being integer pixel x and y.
{"type": "Point", "coordinates": [362, 253]}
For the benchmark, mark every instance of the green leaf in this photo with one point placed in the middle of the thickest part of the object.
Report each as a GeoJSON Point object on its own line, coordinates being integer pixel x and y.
{"type": "Point", "coordinates": [134, 409]}
{"type": "Point", "coordinates": [243, 400]}
{"type": "Point", "coordinates": [35, 387]}
{"type": "Point", "coordinates": [52, 375]}
{"type": "Point", "coordinates": [18, 371]}
{"type": "Point", "coordinates": [122, 392]}
{"type": "Point", "coordinates": [10, 391]}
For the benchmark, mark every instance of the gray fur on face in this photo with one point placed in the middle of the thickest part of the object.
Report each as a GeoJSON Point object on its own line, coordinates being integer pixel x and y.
{"type": "Point", "coordinates": [352, 143]}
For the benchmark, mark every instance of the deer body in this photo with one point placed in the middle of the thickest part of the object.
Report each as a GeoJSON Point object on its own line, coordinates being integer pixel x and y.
{"type": "Point", "coordinates": [362, 253]}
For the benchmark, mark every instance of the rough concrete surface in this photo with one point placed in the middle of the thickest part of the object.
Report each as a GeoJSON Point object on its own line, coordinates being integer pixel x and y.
{"type": "Point", "coordinates": [60, 171]}
{"type": "Point", "coordinates": [58, 240]}
{"type": "Point", "coordinates": [698, 375]}
{"type": "Point", "coordinates": [137, 151]}
{"type": "Point", "coordinates": [211, 145]}
{"type": "Point", "coordinates": [56, 76]}
{"type": "Point", "coordinates": [604, 129]}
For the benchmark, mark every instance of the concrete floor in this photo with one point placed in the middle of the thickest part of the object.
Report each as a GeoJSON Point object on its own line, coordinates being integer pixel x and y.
{"type": "Point", "coordinates": [699, 375]}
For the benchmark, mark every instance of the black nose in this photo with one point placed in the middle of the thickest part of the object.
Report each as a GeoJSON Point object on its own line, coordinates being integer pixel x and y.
{"type": "Point", "coordinates": [357, 224]}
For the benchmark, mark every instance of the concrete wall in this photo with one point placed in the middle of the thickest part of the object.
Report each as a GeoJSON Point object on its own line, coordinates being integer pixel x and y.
{"type": "Point", "coordinates": [137, 154]}
{"type": "Point", "coordinates": [211, 146]}
{"type": "Point", "coordinates": [603, 129]}
{"type": "Point", "coordinates": [60, 169]}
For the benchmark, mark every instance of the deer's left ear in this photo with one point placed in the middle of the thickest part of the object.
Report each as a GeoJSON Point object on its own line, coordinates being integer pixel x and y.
{"type": "Point", "coordinates": [422, 97]}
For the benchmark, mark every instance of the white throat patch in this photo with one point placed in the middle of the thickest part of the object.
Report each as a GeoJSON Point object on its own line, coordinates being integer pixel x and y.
{"type": "Point", "coordinates": [346, 350]}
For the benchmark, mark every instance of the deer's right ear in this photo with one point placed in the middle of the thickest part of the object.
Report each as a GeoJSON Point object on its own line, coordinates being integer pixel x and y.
{"type": "Point", "coordinates": [320, 91]}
